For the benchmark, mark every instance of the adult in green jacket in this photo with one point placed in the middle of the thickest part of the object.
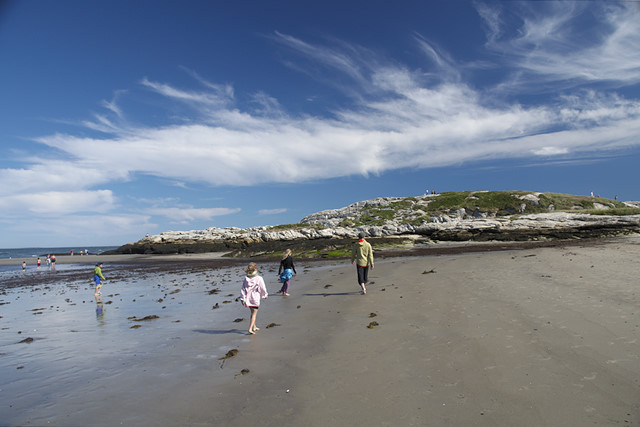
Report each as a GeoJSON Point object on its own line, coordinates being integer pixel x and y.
{"type": "Point", "coordinates": [362, 257]}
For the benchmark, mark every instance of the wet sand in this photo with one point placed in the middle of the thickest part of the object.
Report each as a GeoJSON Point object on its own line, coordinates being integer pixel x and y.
{"type": "Point", "coordinates": [532, 337]}
{"type": "Point", "coordinates": [92, 259]}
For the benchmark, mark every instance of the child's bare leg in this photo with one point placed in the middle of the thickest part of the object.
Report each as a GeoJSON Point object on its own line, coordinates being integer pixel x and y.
{"type": "Point", "coordinates": [98, 289]}
{"type": "Point", "coordinates": [252, 322]}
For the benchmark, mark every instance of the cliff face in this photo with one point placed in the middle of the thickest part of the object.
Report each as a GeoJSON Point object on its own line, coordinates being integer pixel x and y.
{"type": "Point", "coordinates": [478, 216]}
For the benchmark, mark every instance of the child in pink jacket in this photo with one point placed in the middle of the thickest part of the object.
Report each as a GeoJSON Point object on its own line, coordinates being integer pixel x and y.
{"type": "Point", "coordinates": [253, 288]}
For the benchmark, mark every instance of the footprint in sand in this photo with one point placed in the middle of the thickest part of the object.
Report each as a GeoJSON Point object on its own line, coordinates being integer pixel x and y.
{"type": "Point", "coordinates": [373, 325]}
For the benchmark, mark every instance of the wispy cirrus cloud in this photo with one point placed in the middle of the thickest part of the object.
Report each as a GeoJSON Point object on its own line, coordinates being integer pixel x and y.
{"type": "Point", "coordinates": [271, 211]}
{"type": "Point", "coordinates": [189, 214]}
{"type": "Point", "coordinates": [555, 46]}
{"type": "Point", "coordinates": [216, 96]}
{"type": "Point", "coordinates": [398, 117]}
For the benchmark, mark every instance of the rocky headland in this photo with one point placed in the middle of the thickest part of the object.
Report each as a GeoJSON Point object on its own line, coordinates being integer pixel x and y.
{"type": "Point", "coordinates": [477, 216]}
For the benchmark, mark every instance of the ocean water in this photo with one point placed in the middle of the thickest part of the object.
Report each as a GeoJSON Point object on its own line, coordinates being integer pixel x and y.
{"type": "Point", "coordinates": [42, 252]}
{"type": "Point", "coordinates": [31, 254]}
{"type": "Point", "coordinates": [87, 352]}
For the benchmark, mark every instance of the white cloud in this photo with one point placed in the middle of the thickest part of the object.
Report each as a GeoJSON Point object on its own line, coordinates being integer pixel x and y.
{"type": "Point", "coordinates": [417, 127]}
{"type": "Point", "coordinates": [550, 151]}
{"type": "Point", "coordinates": [113, 104]}
{"type": "Point", "coordinates": [216, 97]}
{"type": "Point", "coordinates": [55, 203]}
{"type": "Point", "coordinates": [492, 20]}
{"type": "Point", "coordinates": [190, 214]}
{"type": "Point", "coordinates": [74, 229]}
{"type": "Point", "coordinates": [342, 61]}
{"type": "Point", "coordinates": [399, 118]}
{"type": "Point", "coordinates": [271, 211]}
{"type": "Point", "coordinates": [552, 51]}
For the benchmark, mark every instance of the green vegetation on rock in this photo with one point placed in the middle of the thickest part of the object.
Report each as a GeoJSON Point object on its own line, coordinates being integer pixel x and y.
{"type": "Point", "coordinates": [419, 210]}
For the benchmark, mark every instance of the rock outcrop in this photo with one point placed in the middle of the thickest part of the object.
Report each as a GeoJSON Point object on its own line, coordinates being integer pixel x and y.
{"type": "Point", "coordinates": [391, 217]}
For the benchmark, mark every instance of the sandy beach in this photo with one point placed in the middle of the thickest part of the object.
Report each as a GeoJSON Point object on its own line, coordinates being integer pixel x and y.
{"type": "Point", "coordinates": [543, 336]}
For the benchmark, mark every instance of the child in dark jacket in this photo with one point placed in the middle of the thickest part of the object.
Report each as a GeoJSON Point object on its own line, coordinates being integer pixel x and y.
{"type": "Point", "coordinates": [286, 272]}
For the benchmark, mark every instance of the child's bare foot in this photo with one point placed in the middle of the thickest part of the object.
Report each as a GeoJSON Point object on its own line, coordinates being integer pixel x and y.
{"type": "Point", "coordinates": [256, 329]}
{"type": "Point", "coordinates": [251, 332]}
{"type": "Point", "coordinates": [286, 294]}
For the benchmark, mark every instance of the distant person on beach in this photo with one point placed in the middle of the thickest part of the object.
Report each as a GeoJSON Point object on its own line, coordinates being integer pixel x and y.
{"type": "Point", "coordinates": [53, 262]}
{"type": "Point", "coordinates": [98, 278]}
{"type": "Point", "coordinates": [24, 266]}
{"type": "Point", "coordinates": [38, 263]}
{"type": "Point", "coordinates": [253, 288]}
{"type": "Point", "coordinates": [362, 256]}
{"type": "Point", "coordinates": [48, 260]}
{"type": "Point", "coordinates": [286, 272]}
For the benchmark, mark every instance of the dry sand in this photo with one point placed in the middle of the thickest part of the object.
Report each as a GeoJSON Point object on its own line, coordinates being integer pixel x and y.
{"type": "Point", "coordinates": [533, 337]}
{"type": "Point", "coordinates": [544, 337]}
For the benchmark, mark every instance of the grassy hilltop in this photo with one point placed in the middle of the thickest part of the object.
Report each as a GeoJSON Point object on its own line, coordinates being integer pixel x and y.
{"type": "Point", "coordinates": [424, 209]}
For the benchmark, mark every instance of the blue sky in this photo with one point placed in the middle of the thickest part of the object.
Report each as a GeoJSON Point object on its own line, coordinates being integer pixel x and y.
{"type": "Point", "coordinates": [123, 118]}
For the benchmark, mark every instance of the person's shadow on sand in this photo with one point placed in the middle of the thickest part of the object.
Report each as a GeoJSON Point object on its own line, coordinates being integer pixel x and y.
{"type": "Point", "coordinates": [220, 331]}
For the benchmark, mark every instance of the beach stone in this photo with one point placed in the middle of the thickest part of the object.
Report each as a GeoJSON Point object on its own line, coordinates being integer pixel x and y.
{"type": "Point", "coordinates": [229, 354]}
{"type": "Point", "coordinates": [146, 318]}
